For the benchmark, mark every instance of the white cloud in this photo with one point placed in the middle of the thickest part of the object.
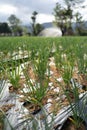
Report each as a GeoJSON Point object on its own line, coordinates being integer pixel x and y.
{"type": "Point", "coordinates": [41, 18]}
{"type": "Point", "coordinates": [7, 9]}
{"type": "Point", "coordinates": [23, 9]}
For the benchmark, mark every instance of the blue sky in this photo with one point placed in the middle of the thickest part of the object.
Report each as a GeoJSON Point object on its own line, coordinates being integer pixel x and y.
{"type": "Point", "coordinates": [23, 9]}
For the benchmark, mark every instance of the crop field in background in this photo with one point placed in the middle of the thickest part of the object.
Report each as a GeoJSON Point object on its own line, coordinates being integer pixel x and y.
{"type": "Point", "coordinates": [43, 70]}
{"type": "Point", "coordinates": [12, 43]}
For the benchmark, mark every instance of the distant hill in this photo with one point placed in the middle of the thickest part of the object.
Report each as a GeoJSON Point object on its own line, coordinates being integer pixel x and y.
{"type": "Point", "coordinates": [50, 25]}
{"type": "Point", "coordinates": [47, 25]}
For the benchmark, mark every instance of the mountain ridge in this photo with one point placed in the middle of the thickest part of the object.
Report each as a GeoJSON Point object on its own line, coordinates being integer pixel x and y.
{"type": "Point", "coordinates": [50, 24]}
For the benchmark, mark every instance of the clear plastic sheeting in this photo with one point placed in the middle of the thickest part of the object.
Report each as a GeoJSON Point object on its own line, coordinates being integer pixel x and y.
{"type": "Point", "coordinates": [51, 32]}
{"type": "Point", "coordinates": [19, 118]}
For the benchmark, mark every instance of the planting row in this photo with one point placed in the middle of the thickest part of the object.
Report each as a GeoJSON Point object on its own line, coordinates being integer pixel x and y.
{"type": "Point", "coordinates": [44, 77]}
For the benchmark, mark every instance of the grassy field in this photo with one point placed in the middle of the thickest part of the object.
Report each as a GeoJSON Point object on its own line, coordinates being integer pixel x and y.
{"type": "Point", "coordinates": [12, 43]}
{"type": "Point", "coordinates": [42, 69]}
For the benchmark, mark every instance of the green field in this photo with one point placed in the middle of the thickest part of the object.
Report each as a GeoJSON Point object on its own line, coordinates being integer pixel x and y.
{"type": "Point", "coordinates": [41, 69]}
{"type": "Point", "coordinates": [12, 43]}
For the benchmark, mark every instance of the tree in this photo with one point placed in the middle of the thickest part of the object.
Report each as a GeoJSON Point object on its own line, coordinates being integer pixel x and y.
{"type": "Point", "coordinates": [80, 25]}
{"type": "Point", "coordinates": [73, 2]}
{"type": "Point", "coordinates": [36, 27]}
{"type": "Point", "coordinates": [4, 28]}
{"type": "Point", "coordinates": [15, 24]}
{"type": "Point", "coordinates": [33, 17]}
{"type": "Point", "coordinates": [64, 16]}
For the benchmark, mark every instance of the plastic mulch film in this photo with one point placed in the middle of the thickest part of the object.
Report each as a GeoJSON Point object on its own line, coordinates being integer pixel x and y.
{"type": "Point", "coordinates": [19, 118]}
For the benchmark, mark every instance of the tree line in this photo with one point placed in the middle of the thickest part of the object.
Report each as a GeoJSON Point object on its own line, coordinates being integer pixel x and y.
{"type": "Point", "coordinates": [64, 19]}
{"type": "Point", "coordinates": [14, 27]}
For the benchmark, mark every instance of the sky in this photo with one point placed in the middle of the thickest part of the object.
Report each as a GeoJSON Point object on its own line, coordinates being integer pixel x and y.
{"type": "Point", "coordinates": [23, 9]}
